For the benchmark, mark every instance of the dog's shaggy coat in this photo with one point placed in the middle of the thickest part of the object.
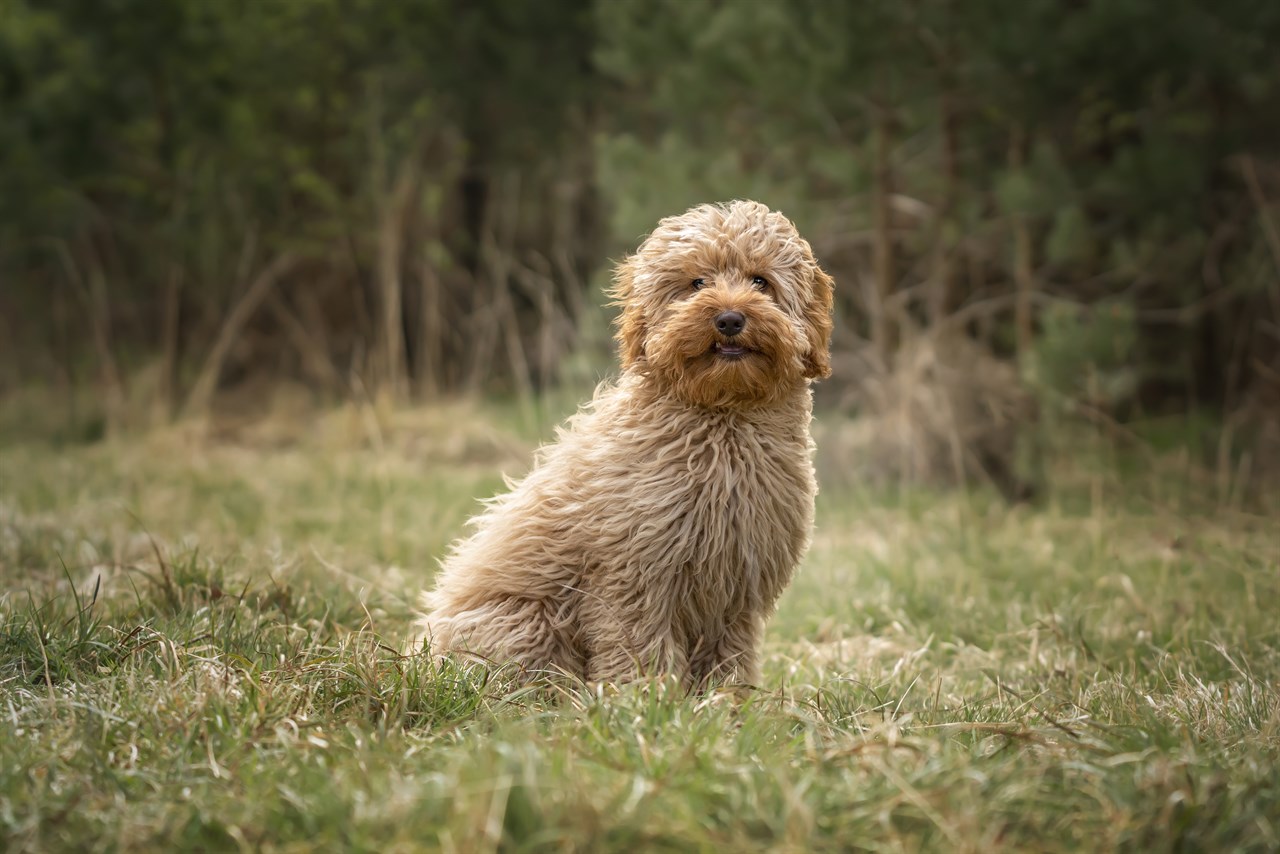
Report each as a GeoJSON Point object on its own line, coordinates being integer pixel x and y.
{"type": "Point", "coordinates": [657, 533]}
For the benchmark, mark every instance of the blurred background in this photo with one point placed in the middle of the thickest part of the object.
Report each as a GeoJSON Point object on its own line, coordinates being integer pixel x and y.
{"type": "Point", "coordinates": [1043, 217]}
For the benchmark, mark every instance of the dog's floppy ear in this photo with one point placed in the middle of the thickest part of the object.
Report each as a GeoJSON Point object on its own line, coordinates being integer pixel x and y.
{"type": "Point", "coordinates": [817, 315]}
{"type": "Point", "coordinates": [630, 323]}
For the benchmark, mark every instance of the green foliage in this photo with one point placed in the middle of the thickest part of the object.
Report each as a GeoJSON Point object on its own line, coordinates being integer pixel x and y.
{"type": "Point", "coordinates": [1086, 354]}
{"type": "Point", "coordinates": [147, 142]}
{"type": "Point", "coordinates": [143, 143]}
{"type": "Point", "coordinates": [1128, 114]}
{"type": "Point", "coordinates": [1069, 239]}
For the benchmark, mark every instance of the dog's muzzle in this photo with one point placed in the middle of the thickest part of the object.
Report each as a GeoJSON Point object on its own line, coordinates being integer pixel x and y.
{"type": "Point", "coordinates": [729, 324]}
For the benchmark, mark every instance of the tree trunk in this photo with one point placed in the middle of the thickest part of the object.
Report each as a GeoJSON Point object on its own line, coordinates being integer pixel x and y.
{"type": "Point", "coordinates": [171, 343]}
{"type": "Point", "coordinates": [943, 297]}
{"type": "Point", "coordinates": [431, 348]}
{"type": "Point", "coordinates": [1023, 260]}
{"type": "Point", "coordinates": [207, 382]}
{"type": "Point", "coordinates": [883, 332]}
{"type": "Point", "coordinates": [93, 296]}
{"type": "Point", "coordinates": [391, 229]}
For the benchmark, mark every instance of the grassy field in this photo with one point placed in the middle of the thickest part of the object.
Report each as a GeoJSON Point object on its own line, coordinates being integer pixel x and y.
{"type": "Point", "coordinates": [199, 650]}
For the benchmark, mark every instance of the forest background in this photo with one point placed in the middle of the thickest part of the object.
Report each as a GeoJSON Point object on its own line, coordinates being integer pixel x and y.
{"type": "Point", "coordinates": [1042, 209]}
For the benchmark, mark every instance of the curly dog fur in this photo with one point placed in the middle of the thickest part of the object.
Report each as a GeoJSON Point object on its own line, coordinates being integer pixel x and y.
{"type": "Point", "coordinates": [656, 534]}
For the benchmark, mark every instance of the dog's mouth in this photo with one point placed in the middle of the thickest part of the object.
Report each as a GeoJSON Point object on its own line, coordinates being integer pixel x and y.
{"type": "Point", "coordinates": [730, 351]}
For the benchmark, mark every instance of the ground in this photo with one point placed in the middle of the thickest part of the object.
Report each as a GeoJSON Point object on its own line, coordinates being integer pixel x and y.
{"type": "Point", "coordinates": [199, 649]}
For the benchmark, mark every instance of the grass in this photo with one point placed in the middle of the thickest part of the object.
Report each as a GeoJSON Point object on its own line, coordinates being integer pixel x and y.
{"type": "Point", "coordinates": [199, 650]}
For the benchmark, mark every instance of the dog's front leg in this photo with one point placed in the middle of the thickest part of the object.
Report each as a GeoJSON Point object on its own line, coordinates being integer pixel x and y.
{"type": "Point", "coordinates": [736, 658]}
{"type": "Point", "coordinates": [624, 644]}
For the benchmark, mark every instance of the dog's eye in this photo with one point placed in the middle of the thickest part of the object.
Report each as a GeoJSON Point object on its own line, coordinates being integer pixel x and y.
{"type": "Point", "coordinates": [699, 284]}
{"type": "Point", "coordinates": [760, 283]}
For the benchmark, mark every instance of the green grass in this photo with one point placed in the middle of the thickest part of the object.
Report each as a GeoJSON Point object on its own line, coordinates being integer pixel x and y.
{"type": "Point", "coordinates": [199, 650]}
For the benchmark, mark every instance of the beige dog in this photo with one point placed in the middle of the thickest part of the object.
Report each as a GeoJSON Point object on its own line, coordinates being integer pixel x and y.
{"type": "Point", "coordinates": [657, 533]}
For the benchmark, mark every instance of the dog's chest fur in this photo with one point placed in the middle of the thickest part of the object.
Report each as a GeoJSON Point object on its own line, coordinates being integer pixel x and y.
{"type": "Point", "coordinates": [650, 531]}
{"type": "Point", "coordinates": [720, 507]}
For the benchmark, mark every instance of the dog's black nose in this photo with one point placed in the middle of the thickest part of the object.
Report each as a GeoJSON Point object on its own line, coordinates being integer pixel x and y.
{"type": "Point", "coordinates": [730, 323]}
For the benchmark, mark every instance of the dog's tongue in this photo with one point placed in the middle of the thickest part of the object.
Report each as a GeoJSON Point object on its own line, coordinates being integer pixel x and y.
{"type": "Point", "coordinates": [732, 349]}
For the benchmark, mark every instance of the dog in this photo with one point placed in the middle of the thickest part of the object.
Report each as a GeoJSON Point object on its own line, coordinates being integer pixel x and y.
{"type": "Point", "coordinates": [655, 535]}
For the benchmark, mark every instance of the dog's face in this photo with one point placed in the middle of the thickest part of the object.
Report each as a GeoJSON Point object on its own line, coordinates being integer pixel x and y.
{"type": "Point", "coordinates": [725, 304]}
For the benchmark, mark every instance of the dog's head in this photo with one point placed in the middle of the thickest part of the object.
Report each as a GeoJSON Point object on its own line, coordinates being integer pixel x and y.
{"type": "Point", "coordinates": [726, 304]}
